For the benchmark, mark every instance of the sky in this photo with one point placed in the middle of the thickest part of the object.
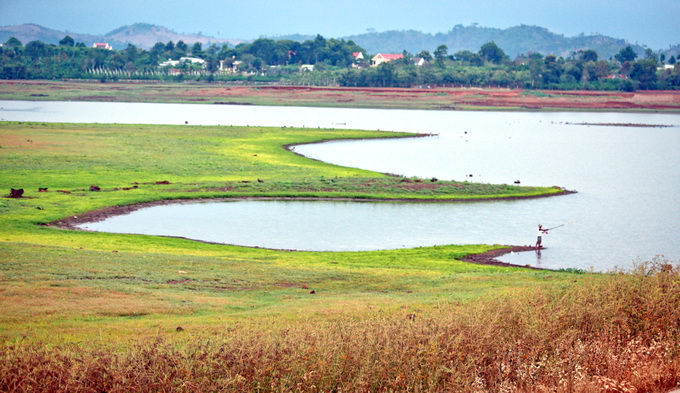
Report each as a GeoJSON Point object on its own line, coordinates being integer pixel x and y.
{"type": "Point", "coordinates": [653, 23]}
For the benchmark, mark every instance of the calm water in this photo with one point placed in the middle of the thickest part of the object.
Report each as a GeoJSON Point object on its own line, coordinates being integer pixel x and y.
{"type": "Point", "coordinates": [628, 179]}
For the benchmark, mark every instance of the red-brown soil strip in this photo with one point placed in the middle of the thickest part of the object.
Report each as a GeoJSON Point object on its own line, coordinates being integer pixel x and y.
{"type": "Point", "coordinates": [621, 125]}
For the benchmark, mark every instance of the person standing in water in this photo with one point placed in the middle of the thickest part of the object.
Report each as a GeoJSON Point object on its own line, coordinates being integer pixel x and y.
{"type": "Point", "coordinates": [539, 238]}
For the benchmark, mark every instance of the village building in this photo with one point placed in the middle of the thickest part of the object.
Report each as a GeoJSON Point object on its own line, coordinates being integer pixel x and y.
{"type": "Point", "coordinates": [102, 45]}
{"type": "Point", "coordinates": [183, 60]}
{"type": "Point", "coordinates": [385, 58]}
{"type": "Point", "coordinates": [235, 65]}
{"type": "Point", "coordinates": [419, 61]}
{"type": "Point", "coordinates": [169, 63]}
{"type": "Point", "coordinates": [192, 60]}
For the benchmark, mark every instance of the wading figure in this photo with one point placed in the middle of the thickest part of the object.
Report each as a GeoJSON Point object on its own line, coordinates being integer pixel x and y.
{"type": "Point", "coordinates": [541, 232]}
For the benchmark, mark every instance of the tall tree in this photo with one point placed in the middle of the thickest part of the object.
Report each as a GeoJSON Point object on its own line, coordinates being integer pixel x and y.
{"type": "Point", "coordinates": [650, 55]}
{"type": "Point", "coordinates": [13, 42]}
{"type": "Point", "coordinates": [491, 53]}
{"type": "Point", "coordinates": [425, 54]}
{"type": "Point", "coordinates": [644, 72]}
{"type": "Point", "coordinates": [440, 54]}
{"type": "Point", "coordinates": [197, 50]}
{"type": "Point", "coordinates": [588, 55]}
{"type": "Point", "coordinates": [67, 41]}
{"type": "Point", "coordinates": [626, 54]}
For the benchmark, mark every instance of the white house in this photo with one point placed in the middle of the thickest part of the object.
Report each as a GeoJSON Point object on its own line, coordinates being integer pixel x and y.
{"type": "Point", "coordinates": [235, 64]}
{"type": "Point", "coordinates": [192, 60]}
{"type": "Point", "coordinates": [419, 61]}
{"type": "Point", "coordinates": [183, 60]}
{"type": "Point", "coordinates": [102, 45]}
{"type": "Point", "coordinates": [169, 63]}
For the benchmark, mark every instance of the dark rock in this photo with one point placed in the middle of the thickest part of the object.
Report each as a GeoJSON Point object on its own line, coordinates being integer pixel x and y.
{"type": "Point", "coordinates": [16, 193]}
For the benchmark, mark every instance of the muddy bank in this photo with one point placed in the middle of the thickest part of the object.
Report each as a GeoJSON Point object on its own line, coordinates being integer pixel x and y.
{"type": "Point", "coordinates": [640, 125]}
{"type": "Point", "coordinates": [435, 98]}
{"type": "Point", "coordinates": [489, 257]}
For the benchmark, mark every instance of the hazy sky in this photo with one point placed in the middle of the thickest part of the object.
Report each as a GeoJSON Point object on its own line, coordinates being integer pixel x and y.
{"type": "Point", "coordinates": [655, 23]}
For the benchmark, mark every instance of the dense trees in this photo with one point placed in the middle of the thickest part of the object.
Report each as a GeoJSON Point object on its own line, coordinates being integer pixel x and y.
{"type": "Point", "coordinates": [67, 41]}
{"type": "Point", "coordinates": [492, 53]}
{"type": "Point", "coordinates": [644, 72]}
{"type": "Point", "coordinates": [626, 54]}
{"type": "Point", "coordinates": [280, 60]}
{"type": "Point", "coordinates": [490, 67]}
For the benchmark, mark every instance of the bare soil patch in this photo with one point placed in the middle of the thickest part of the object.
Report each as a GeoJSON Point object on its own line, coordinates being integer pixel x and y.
{"type": "Point", "coordinates": [421, 97]}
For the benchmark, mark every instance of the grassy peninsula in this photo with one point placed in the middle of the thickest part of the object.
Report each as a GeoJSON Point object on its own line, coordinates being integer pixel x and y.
{"type": "Point", "coordinates": [110, 312]}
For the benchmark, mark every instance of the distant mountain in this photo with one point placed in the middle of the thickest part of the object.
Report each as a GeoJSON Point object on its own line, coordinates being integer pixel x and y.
{"type": "Point", "coordinates": [146, 35]}
{"type": "Point", "coordinates": [31, 32]}
{"type": "Point", "coordinates": [672, 51]}
{"type": "Point", "coordinates": [139, 34]}
{"type": "Point", "coordinates": [513, 40]}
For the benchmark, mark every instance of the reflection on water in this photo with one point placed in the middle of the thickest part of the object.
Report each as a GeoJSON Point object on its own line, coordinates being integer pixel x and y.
{"type": "Point", "coordinates": [325, 225]}
{"type": "Point", "coordinates": [627, 178]}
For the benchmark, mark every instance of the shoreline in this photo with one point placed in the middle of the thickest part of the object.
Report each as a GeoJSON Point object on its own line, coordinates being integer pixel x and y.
{"type": "Point", "coordinates": [437, 98]}
{"type": "Point", "coordinates": [489, 257]}
{"type": "Point", "coordinates": [110, 211]}
{"type": "Point", "coordinates": [484, 258]}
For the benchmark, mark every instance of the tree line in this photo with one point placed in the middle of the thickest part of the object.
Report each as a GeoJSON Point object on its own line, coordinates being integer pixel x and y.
{"type": "Point", "coordinates": [491, 67]}
{"type": "Point", "coordinates": [334, 64]}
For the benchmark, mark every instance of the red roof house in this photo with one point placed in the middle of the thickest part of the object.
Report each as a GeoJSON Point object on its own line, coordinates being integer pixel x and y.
{"type": "Point", "coordinates": [385, 58]}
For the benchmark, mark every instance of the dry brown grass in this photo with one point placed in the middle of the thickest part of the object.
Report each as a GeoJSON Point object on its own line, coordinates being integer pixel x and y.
{"type": "Point", "coordinates": [615, 333]}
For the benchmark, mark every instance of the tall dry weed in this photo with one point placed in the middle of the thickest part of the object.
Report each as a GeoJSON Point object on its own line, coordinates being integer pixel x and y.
{"type": "Point", "coordinates": [614, 333]}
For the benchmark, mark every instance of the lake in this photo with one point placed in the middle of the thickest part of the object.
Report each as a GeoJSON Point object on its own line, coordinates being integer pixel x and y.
{"type": "Point", "coordinates": [627, 178]}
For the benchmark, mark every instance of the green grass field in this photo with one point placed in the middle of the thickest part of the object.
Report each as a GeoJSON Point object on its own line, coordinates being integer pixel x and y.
{"type": "Point", "coordinates": [89, 311]}
{"type": "Point", "coordinates": [143, 278]}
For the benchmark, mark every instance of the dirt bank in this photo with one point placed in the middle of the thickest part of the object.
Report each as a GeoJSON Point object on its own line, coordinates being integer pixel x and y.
{"type": "Point", "coordinates": [421, 97]}
{"type": "Point", "coordinates": [489, 257]}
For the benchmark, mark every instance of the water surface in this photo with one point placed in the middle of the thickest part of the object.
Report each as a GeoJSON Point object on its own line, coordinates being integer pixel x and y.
{"type": "Point", "coordinates": [627, 178]}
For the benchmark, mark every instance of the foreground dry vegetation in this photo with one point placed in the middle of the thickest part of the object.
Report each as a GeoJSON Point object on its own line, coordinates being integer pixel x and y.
{"type": "Point", "coordinates": [614, 333]}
